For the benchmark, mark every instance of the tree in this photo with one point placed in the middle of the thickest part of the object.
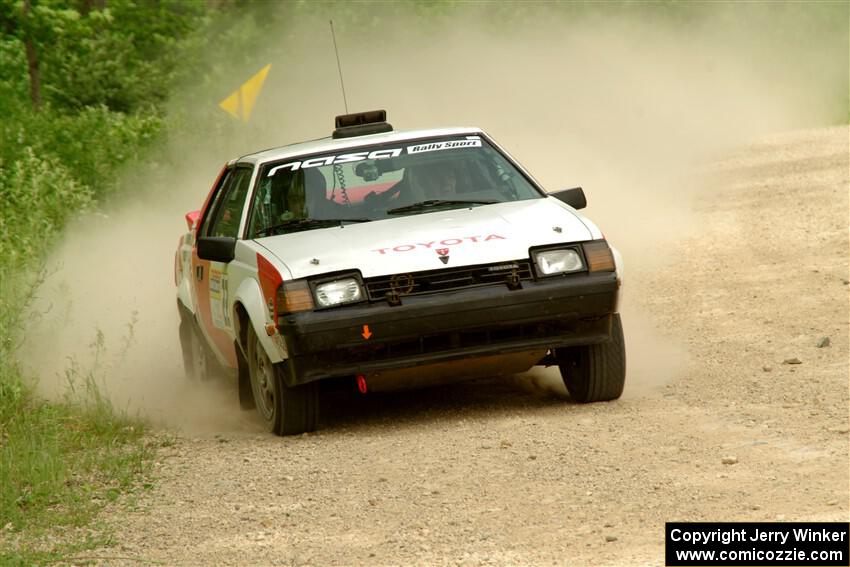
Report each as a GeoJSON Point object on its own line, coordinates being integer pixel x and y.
{"type": "Point", "coordinates": [32, 58]}
{"type": "Point", "coordinates": [122, 54]}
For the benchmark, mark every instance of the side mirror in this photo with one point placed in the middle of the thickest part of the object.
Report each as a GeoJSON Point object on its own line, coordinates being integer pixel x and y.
{"type": "Point", "coordinates": [216, 248]}
{"type": "Point", "coordinates": [573, 197]}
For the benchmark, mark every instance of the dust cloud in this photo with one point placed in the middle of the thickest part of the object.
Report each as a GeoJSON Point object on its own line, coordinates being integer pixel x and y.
{"type": "Point", "coordinates": [622, 103]}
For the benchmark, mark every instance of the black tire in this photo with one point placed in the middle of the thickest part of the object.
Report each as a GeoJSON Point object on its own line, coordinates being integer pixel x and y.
{"type": "Point", "coordinates": [198, 363]}
{"type": "Point", "coordinates": [285, 410]}
{"type": "Point", "coordinates": [243, 377]}
{"type": "Point", "coordinates": [597, 372]}
{"type": "Point", "coordinates": [186, 343]}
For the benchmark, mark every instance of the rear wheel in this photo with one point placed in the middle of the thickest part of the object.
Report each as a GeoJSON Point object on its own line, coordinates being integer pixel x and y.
{"type": "Point", "coordinates": [285, 410]}
{"type": "Point", "coordinates": [198, 363]}
{"type": "Point", "coordinates": [597, 372]}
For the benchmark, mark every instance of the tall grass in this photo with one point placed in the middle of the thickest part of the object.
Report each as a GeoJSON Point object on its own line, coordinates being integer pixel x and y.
{"type": "Point", "coordinates": [106, 75]}
{"type": "Point", "coordinates": [60, 461]}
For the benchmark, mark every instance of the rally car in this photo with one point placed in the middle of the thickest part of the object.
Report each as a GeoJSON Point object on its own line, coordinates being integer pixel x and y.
{"type": "Point", "coordinates": [392, 259]}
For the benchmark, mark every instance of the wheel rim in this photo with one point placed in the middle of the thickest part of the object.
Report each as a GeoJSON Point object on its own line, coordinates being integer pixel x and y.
{"type": "Point", "coordinates": [263, 382]}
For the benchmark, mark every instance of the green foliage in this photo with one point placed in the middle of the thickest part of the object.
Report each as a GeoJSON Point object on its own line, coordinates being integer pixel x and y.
{"type": "Point", "coordinates": [38, 195]}
{"type": "Point", "coordinates": [124, 57]}
{"type": "Point", "coordinates": [59, 464]}
{"type": "Point", "coordinates": [105, 76]}
{"type": "Point", "coordinates": [13, 77]}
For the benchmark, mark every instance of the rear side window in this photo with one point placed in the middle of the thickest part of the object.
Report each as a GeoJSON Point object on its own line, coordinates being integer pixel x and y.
{"type": "Point", "coordinates": [229, 204]}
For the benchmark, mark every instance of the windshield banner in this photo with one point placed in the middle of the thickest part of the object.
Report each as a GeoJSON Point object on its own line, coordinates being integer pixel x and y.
{"type": "Point", "coordinates": [376, 154]}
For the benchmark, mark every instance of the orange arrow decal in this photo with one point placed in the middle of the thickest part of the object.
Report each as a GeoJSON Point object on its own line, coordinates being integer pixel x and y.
{"type": "Point", "coordinates": [366, 332]}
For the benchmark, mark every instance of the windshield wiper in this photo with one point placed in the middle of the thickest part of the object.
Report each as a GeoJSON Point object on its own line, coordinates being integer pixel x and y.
{"type": "Point", "coordinates": [431, 203]}
{"type": "Point", "coordinates": [307, 224]}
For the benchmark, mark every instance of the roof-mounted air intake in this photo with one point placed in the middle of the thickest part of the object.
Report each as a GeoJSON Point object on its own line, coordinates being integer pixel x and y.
{"type": "Point", "coordinates": [361, 124]}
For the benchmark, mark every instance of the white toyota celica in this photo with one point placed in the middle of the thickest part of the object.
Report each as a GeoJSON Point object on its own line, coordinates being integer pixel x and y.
{"type": "Point", "coordinates": [387, 259]}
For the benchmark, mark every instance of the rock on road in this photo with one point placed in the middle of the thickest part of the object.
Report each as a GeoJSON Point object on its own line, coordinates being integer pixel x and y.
{"type": "Point", "coordinates": [491, 473]}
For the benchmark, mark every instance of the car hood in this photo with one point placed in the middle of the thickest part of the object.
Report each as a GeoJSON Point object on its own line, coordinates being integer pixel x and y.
{"type": "Point", "coordinates": [480, 235]}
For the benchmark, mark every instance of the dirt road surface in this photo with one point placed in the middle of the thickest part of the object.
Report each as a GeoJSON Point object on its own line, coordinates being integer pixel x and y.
{"type": "Point", "coordinates": [493, 472]}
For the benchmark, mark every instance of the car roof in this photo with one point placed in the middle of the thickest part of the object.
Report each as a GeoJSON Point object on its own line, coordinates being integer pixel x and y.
{"type": "Point", "coordinates": [329, 144]}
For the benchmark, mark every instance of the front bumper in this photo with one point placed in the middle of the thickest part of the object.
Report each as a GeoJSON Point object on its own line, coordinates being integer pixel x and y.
{"type": "Point", "coordinates": [366, 338]}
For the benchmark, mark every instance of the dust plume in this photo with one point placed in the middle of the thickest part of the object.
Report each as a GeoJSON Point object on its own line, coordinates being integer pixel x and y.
{"type": "Point", "coordinates": [617, 101]}
{"type": "Point", "coordinates": [107, 315]}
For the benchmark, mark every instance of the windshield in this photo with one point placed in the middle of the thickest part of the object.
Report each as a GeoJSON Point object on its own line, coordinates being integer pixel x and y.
{"type": "Point", "coordinates": [381, 181]}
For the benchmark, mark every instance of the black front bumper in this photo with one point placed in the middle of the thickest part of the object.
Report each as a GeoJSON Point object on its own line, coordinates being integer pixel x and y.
{"type": "Point", "coordinates": [447, 326]}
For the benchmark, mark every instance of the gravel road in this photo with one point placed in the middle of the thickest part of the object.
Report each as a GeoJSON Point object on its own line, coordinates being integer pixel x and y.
{"type": "Point", "coordinates": [498, 472]}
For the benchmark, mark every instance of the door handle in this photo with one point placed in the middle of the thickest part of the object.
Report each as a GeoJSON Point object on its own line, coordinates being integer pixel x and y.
{"type": "Point", "coordinates": [199, 273]}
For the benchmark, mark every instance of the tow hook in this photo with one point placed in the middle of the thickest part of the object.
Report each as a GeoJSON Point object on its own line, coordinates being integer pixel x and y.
{"type": "Point", "coordinates": [362, 386]}
{"type": "Point", "coordinates": [393, 298]}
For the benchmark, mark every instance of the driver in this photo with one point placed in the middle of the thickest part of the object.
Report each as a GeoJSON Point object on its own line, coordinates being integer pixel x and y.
{"type": "Point", "coordinates": [442, 182]}
{"type": "Point", "coordinates": [423, 182]}
{"type": "Point", "coordinates": [294, 199]}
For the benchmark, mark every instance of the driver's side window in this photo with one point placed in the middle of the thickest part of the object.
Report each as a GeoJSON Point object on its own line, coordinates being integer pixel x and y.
{"type": "Point", "coordinates": [223, 185]}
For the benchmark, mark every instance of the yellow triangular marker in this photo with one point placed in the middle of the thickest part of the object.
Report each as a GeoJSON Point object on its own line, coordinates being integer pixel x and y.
{"type": "Point", "coordinates": [251, 89]}
{"type": "Point", "coordinates": [231, 104]}
{"type": "Point", "coordinates": [241, 102]}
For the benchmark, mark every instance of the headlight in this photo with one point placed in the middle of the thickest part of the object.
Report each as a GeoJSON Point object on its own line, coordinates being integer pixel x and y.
{"type": "Point", "coordinates": [551, 262]}
{"type": "Point", "coordinates": [336, 292]}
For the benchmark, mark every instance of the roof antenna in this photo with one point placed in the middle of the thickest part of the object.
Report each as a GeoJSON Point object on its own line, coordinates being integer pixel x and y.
{"type": "Point", "coordinates": [339, 67]}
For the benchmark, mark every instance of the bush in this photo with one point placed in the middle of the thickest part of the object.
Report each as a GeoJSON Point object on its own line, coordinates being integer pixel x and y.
{"type": "Point", "coordinates": [105, 78]}
{"type": "Point", "coordinates": [39, 194]}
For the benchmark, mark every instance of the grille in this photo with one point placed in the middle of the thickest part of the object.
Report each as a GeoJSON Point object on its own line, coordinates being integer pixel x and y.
{"type": "Point", "coordinates": [447, 279]}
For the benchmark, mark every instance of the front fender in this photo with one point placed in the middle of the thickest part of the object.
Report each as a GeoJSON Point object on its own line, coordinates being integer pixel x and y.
{"type": "Point", "coordinates": [184, 294]}
{"type": "Point", "coordinates": [618, 262]}
{"type": "Point", "coordinates": [183, 276]}
{"type": "Point", "coordinates": [250, 297]}
{"type": "Point", "coordinates": [618, 265]}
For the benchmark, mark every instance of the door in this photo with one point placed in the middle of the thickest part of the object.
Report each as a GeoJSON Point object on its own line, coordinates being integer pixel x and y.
{"type": "Point", "coordinates": [210, 279]}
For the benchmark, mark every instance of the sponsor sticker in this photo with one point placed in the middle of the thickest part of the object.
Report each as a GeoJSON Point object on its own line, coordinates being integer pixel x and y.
{"type": "Point", "coordinates": [218, 299]}
{"type": "Point", "coordinates": [385, 153]}
{"type": "Point", "coordinates": [446, 145]}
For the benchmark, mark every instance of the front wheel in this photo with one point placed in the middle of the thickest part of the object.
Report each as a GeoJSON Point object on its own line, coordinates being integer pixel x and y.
{"type": "Point", "coordinates": [597, 372]}
{"type": "Point", "coordinates": [285, 410]}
